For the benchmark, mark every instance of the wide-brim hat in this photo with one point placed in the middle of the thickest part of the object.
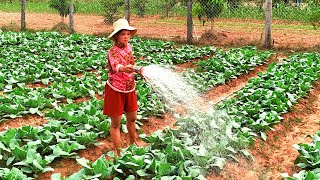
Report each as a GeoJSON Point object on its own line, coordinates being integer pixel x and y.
{"type": "Point", "coordinates": [119, 25]}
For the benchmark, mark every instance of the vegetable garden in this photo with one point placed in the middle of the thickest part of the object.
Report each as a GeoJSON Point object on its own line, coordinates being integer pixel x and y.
{"type": "Point", "coordinates": [61, 78]}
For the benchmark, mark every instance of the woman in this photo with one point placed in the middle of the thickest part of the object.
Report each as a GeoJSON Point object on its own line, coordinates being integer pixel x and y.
{"type": "Point", "coordinates": [120, 93]}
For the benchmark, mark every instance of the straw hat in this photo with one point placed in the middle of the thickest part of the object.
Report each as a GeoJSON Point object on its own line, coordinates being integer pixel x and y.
{"type": "Point", "coordinates": [119, 25]}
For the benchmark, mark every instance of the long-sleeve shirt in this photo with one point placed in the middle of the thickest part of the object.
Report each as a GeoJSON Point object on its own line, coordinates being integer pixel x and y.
{"type": "Point", "coordinates": [119, 56]}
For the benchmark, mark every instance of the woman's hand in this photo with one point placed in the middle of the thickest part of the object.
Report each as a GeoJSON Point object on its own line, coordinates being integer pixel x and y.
{"type": "Point", "coordinates": [128, 68]}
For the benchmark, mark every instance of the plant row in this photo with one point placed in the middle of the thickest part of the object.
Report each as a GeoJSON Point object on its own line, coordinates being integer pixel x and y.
{"type": "Point", "coordinates": [166, 157]}
{"type": "Point", "coordinates": [33, 57]}
{"type": "Point", "coordinates": [308, 160]}
{"type": "Point", "coordinates": [178, 56]}
{"type": "Point", "coordinates": [202, 142]}
{"type": "Point", "coordinates": [23, 100]}
{"type": "Point", "coordinates": [259, 104]}
{"type": "Point", "coordinates": [32, 149]}
{"type": "Point", "coordinates": [225, 65]}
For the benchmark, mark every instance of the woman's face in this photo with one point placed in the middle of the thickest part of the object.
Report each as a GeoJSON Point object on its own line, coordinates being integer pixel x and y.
{"type": "Point", "coordinates": [124, 36]}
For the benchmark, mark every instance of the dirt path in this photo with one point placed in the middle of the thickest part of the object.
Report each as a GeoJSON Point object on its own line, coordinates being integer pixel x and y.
{"type": "Point", "coordinates": [32, 120]}
{"type": "Point", "coordinates": [233, 32]}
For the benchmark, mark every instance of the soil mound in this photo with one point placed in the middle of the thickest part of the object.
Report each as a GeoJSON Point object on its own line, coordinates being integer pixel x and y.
{"type": "Point", "coordinates": [213, 36]}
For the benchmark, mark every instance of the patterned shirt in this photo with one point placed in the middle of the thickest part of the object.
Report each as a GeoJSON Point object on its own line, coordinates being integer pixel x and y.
{"type": "Point", "coordinates": [118, 56]}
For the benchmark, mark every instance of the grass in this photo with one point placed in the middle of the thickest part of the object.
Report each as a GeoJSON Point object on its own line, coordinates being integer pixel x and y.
{"type": "Point", "coordinates": [81, 7]}
{"type": "Point", "coordinates": [281, 12]}
{"type": "Point", "coordinates": [243, 24]}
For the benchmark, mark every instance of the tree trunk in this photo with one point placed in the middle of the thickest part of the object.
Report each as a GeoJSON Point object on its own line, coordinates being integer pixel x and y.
{"type": "Point", "coordinates": [212, 23]}
{"type": "Point", "coordinates": [127, 4]}
{"type": "Point", "coordinates": [71, 19]}
{"type": "Point", "coordinates": [189, 22]}
{"type": "Point", "coordinates": [267, 43]}
{"type": "Point", "coordinates": [23, 15]}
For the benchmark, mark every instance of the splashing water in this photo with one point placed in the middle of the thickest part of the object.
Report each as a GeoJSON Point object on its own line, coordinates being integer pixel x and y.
{"type": "Point", "coordinates": [209, 129]}
{"type": "Point", "coordinates": [172, 87]}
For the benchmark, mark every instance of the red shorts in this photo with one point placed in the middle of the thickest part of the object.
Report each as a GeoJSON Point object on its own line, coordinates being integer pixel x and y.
{"type": "Point", "coordinates": [115, 103]}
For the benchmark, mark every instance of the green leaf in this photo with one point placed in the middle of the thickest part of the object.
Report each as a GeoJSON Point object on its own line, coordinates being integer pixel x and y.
{"type": "Point", "coordinates": [246, 153]}
{"type": "Point", "coordinates": [263, 136]}
{"type": "Point", "coordinates": [143, 173]}
{"type": "Point", "coordinates": [116, 168]}
{"type": "Point", "coordinates": [9, 161]}
{"type": "Point", "coordinates": [4, 148]}
{"type": "Point", "coordinates": [84, 162]}
{"type": "Point", "coordinates": [131, 177]}
{"type": "Point", "coordinates": [56, 176]}
{"type": "Point", "coordinates": [164, 169]}
{"type": "Point", "coordinates": [45, 81]}
{"type": "Point", "coordinates": [36, 164]}
{"type": "Point", "coordinates": [33, 110]}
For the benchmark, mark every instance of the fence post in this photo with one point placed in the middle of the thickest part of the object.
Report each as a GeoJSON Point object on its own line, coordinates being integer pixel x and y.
{"type": "Point", "coordinates": [268, 12]}
{"type": "Point", "coordinates": [23, 15]}
{"type": "Point", "coordinates": [189, 22]}
{"type": "Point", "coordinates": [71, 18]}
{"type": "Point", "coordinates": [127, 4]}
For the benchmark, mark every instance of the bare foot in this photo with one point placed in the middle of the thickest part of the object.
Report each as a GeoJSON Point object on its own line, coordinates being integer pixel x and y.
{"type": "Point", "coordinates": [140, 143]}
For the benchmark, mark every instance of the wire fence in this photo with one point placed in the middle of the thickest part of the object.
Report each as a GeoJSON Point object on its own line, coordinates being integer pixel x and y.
{"type": "Point", "coordinates": [223, 22]}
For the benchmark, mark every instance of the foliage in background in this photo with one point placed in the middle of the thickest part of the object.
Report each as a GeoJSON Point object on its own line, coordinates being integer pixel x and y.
{"type": "Point", "coordinates": [198, 11]}
{"type": "Point", "coordinates": [212, 8]}
{"type": "Point", "coordinates": [167, 6]}
{"type": "Point", "coordinates": [315, 18]}
{"type": "Point", "coordinates": [9, 1]}
{"type": "Point", "coordinates": [140, 6]}
{"type": "Point", "coordinates": [233, 4]}
{"type": "Point", "coordinates": [110, 9]}
{"type": "Point", "coordinates": [62, 6]}
{"type": "Point", "coordinates": [245, 9]}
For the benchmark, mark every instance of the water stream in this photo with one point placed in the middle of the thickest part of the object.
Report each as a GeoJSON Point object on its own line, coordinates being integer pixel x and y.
{"type": "Point", "coordinates": [206, 128]}
{"type": "Point", "coordinates": [174, 90]}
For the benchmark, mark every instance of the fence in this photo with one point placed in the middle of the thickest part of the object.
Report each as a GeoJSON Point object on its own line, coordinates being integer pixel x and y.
{"type": "Point", "coordinates": [228, 22]}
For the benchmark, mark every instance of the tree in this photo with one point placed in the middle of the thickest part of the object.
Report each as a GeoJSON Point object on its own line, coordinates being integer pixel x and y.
{"type": "Point", "coordinates": [314, 18]}
{"type": "Point", "coordinates": [62, 6]}
{"type": "Point", "coordinates": [110, 9]}
{"type": "Point", "coordinates": [189, 22]}
{"type": "Point", "coordinates": [233, 4]}
{"type": "Point", "coordinates": [198, 11]}
{"type": "Point", "coordinates": [141, 6]}
{"type": "Point", "coordinates": [212, 9]}
{"type": "Point", "coordinates": [268, 14]}
{"type": "Point", "coordinates": [167, 5]}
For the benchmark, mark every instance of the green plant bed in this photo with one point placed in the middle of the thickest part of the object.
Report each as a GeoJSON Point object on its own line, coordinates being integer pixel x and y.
{"type": "Point", "coordinates": [260, 104]}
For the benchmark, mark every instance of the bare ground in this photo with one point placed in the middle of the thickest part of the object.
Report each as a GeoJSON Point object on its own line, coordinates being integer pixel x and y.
{"type": "Point", "coordinates": [237, 32]}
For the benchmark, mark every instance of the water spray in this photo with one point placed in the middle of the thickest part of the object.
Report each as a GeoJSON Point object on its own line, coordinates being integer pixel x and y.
{"type": "Point", "coordinates": [210, 129]}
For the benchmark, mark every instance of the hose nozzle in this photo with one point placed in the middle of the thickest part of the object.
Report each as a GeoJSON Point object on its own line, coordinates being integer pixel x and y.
{"type": "Point", "coordinates": [137, 69]}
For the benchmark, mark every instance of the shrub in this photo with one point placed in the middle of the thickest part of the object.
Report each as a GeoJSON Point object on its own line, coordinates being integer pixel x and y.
{"type": "Point", "coordinates": [110, 9]}
{"type": "Point", "coordinates": [141, 6]}
{"type": "Point", "coordinates": [62, 6]}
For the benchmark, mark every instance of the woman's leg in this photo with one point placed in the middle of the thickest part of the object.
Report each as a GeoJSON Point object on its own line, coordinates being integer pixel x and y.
{"type": "Point", "coordinates": [115, 132]}
{"type": "Point", "coordinates": [131, 126]}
